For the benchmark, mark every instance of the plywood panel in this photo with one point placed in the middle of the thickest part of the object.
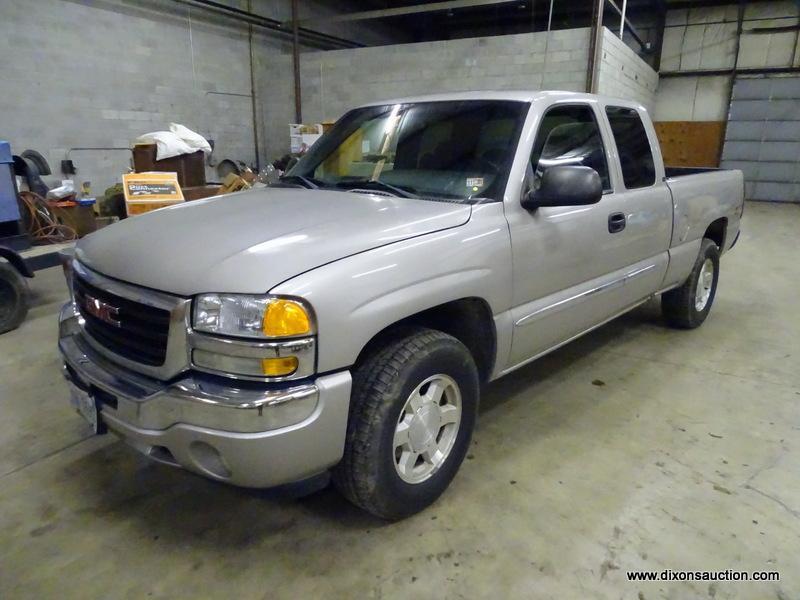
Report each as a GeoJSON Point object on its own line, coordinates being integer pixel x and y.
{"type": "Point", "coordinates": [691, 143]}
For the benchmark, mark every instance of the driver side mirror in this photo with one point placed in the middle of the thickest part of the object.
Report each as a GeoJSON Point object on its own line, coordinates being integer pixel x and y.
{"type": "Point", "coordinates": [565, 186]}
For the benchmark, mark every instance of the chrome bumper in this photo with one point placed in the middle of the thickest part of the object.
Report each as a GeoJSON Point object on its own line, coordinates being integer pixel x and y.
{"type": "Point", "coordinates": [251, 435]}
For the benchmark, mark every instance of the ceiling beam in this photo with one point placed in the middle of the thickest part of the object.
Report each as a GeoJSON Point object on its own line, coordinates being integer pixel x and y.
{"type": "Point", "coordinates": [678, 4]}
{"type": "Point", "coordinates": [307, 36]}
{"type": "Point", "coordinates": [403, 10]}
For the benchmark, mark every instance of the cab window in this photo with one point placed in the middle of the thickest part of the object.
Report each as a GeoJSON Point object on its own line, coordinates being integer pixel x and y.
{"type": "Point", "coordinates": [633, 147]}
{"type": "Point", "coordinates": [569, 135]}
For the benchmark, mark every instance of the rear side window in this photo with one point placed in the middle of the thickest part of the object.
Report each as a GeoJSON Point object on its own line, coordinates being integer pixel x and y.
{"type": "Point", "coordinates": [633, 147]}
{"type": "Point", "coordinates": [569, 135]}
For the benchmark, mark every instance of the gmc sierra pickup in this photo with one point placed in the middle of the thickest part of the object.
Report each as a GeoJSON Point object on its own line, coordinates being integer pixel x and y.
{"type": "Point", "coordinates": [344, 319]}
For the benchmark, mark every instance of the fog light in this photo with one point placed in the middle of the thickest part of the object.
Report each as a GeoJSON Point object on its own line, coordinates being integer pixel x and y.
{"type": "Point", "coordinates": [223, 363]}
{"type": "Point", "coordinates": [277, 367]}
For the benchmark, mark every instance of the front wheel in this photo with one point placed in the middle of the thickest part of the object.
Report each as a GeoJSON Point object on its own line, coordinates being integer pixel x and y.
{"type": "Point", "coordinates": [688, 306]}
{"type": "Point", "coordinates": [13, 297]}
{"type": "Point", "coordinates": [412, 414]}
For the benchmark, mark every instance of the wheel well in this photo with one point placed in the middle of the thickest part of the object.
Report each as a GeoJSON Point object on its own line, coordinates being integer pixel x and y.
{"type": "Point", "coordinates": [716, 232]}
{"type": "Point", "coordinates": [469, 320]}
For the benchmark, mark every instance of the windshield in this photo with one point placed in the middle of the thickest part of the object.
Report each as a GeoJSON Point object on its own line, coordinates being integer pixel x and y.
{"type": "Point", "coordinates": [458, 150]}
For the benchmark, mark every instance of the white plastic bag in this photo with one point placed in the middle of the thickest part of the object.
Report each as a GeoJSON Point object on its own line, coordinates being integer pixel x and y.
{"type": "Point", "coordinates": [67, 188]}
{"type": "Point", "coordinates": [192, 139]}
{"type": "Point", "coordinates": [167, 144]}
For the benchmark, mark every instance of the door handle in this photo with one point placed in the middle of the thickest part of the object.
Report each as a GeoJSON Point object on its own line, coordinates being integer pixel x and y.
{"type": "Point", "coordinates": [616, 222]}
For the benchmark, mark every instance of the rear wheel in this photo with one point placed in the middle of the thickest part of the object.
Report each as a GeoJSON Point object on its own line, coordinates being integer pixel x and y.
{"type": "Point", "coordinates": [413, 409]}
{"type": "Point", "coordinates": [688, 306]}
{"type": "Point", "coordinates": [13, 297]}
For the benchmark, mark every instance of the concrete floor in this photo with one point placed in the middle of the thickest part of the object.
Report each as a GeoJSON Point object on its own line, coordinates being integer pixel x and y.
{"type": "Point", "coordinates": [636, 447]}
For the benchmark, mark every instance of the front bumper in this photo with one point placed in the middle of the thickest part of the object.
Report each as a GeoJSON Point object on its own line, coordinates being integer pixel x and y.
{"type": "Point", "coordinates": [253, 435]}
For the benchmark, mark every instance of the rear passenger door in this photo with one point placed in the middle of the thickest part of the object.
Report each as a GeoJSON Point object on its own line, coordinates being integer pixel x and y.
{"type": "Point", "coordinates": [642, 198]}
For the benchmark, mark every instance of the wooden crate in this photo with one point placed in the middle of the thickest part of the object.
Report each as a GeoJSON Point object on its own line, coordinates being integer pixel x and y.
{"type": "Point", "coordinates": [190, 168]}
{"type": "Point", "coordinates": [78, 218]}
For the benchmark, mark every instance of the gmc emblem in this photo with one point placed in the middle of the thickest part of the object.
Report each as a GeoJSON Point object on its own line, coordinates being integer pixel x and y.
{"type": "Point", "coordinates": [101, 310]}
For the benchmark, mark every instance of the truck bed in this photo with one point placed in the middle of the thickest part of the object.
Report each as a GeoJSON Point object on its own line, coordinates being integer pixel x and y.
{"type": "Point", "coordinates": [673, 172]}
{"type": "Point", "coordinates": [700, 197]}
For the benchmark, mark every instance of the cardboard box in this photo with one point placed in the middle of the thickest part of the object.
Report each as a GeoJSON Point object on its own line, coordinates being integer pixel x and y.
{"type": "Point", "coordinates": [233, 183]}
{"type": "Point", "coordinates": [301, 135]}
{"type": "Point", "coordinates": [148, 191]}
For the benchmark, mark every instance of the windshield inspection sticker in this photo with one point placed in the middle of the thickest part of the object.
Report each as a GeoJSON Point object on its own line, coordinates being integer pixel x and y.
{"type": "Point", "coordinates": [475, 182]}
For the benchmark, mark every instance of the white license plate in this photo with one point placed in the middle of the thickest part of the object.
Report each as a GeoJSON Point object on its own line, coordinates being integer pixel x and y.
{"type": "Point", "coordinates": [85, 405]}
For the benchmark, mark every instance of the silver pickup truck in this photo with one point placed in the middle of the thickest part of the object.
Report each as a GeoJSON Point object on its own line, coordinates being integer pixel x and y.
{"type": "Point", "coordinates": [344, 319]}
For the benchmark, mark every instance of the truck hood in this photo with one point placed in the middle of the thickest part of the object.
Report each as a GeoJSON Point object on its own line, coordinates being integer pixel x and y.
{"type": "Point", "coordinates": [252, 241]}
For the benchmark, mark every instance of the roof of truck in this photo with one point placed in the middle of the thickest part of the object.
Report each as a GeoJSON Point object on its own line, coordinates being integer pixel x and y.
{"type": "Point", "coordinates": [516, 95]}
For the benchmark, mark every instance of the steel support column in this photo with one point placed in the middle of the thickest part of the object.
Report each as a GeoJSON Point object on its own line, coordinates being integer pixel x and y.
{"type": "Point", "coordinates": [298, 100]}
{"type": "Point", "coordinates": [737, 47]}
{"type": "Point", "coordinates": [594, 46]}
{"type": "Point", "coordinates": [253, 101]}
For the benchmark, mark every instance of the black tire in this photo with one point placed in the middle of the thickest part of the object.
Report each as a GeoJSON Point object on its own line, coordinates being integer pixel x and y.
{"type": "Point", "coordinates": [678, 305]}
{"type": "Point", "coordinates": [367, 475]}
{"type": "Point", "coordinates": [13, 297]}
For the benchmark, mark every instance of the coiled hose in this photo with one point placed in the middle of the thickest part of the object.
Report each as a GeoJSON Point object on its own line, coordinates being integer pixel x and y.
{"type": "Point", "coordinates": [43, 226]}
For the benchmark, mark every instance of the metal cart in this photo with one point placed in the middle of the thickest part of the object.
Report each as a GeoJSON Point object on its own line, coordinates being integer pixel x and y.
{"type": "Point", "coordinates": [14, 270]}
{"type": "Point", "coordinates": [18, 260]}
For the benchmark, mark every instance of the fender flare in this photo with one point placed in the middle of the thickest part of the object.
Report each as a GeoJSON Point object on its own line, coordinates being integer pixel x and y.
{"type": "Point", "coordinates": [16, 261]}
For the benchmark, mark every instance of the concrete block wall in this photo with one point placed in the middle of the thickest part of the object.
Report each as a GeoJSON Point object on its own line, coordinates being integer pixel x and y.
{"type": "Point", "coordinates": [705, 39]}
{"type": "Point", "coordinates": [336, 81]}
{"type": "Point", "coordinates": [774, 49]}
{"type": "Point", "coordinates": [692, 98]}
{"type": "Point", "coordinates": [99, 74]}
{"type": "Point", "coordinates": [697, 39]}
{"type": "Point", "coordinates": [623, 74]}
{"type": "Point", "coordinates": [764, 145]}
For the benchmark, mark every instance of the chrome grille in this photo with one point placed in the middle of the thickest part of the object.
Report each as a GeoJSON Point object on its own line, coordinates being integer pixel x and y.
{"type": "Point", "coordinates": [133, 330]}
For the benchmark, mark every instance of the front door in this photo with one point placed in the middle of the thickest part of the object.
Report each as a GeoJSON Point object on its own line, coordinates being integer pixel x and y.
{"type": "Point", "coordinates": [571, 264]}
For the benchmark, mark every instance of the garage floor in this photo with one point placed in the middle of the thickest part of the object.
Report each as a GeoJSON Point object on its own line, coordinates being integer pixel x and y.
{"type": "Point", "coordinates": [636, 447]}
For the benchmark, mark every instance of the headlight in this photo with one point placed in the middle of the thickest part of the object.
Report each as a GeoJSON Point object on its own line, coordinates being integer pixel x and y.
{"type": "Point", "coordinates": [251, 316]}
{"type": "Point", "coordinates": [267, 322]}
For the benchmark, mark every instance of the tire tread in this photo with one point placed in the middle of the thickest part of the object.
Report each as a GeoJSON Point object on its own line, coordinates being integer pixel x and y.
{"type": "Point", "coordinates": [373, 381]}
{"type": "Point", "coordinates": [9, 274]}
{"type": "Point", "coordinates": [677, 305]}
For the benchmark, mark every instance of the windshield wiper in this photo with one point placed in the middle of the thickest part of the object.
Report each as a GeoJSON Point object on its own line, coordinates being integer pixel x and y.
{"type": "Point", "coordinates": [300, 179]}
{"type": "Point", "coordinates": [378, 185]}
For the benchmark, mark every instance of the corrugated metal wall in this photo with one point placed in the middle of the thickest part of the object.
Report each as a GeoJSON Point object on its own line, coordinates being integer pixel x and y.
{"type": "Point", "coordinates": [763, 137]}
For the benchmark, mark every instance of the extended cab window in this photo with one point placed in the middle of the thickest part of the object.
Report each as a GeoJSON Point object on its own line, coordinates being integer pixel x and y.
{"type": "Point", "coordinates": [633, 147]}
{"type": "Point", "coordinates": [569, 135]}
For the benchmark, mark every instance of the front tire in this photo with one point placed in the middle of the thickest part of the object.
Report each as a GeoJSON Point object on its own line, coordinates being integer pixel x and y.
{"type": "Point", "coordinates": [688, 306]}
{"type": "Point", "coordinates": [13, 297]}
{"type": "Point", "coordinates": [412, 413]}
